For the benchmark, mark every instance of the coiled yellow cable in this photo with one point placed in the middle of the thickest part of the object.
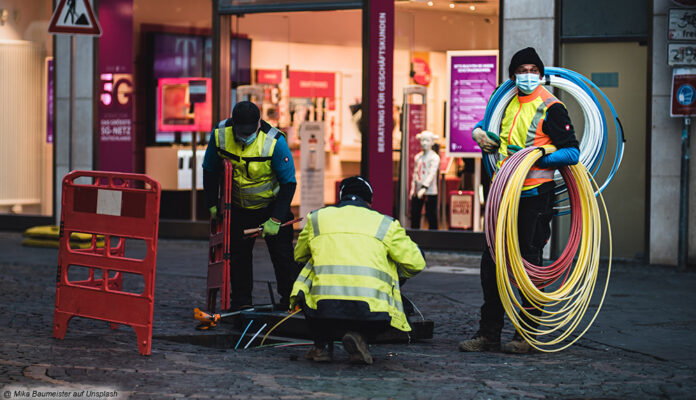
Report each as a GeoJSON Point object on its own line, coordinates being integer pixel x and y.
{"type": "Point", "coordinates": [563, 308]}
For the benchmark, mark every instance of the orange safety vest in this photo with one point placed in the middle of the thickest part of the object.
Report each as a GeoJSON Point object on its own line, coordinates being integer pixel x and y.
{"type": "Point", "coordinates": [522, 126]}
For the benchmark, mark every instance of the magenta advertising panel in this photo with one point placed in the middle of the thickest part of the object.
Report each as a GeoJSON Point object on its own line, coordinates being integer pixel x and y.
{"type": "Point", "coordinates": [473, 76]}
{"type": "Point", "coordinates": [116, 137]}
{"type": "Point", "coordinates": [49, 101]}
{"type": "Point", "coordinates": [380, 103]}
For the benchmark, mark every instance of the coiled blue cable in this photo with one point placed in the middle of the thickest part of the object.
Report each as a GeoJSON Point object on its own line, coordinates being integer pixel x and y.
{"type": "Point", "coordinates": [587, 87]}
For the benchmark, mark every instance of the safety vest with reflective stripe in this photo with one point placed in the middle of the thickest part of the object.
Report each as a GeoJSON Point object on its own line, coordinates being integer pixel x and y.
{"type": "Point", "coordinates": [354, 253]}
{"type": "Point", "coordinates": [254, 184]}
{"type": "Point", "coordinates": [522, 126]}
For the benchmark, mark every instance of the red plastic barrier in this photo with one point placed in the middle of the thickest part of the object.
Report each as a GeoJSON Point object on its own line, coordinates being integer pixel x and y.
{"type": "Point", "coordinates": [119, 206]}
{"type": "Point", "coordinates": [218, 257]}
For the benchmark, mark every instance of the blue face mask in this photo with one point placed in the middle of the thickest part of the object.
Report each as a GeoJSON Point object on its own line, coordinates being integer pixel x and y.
{"type": "Point", "coordinates": [249, 139]}
{"type": "Point", "coordinates": [527, 83]}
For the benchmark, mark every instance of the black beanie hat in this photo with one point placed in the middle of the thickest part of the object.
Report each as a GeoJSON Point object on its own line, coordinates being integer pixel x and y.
{"type": "Point", "coordinates": [525, 56]}
{"type": "Point", "coordinates": [356, 186]}
{"type": "Point", "coordinates": [245, 118]}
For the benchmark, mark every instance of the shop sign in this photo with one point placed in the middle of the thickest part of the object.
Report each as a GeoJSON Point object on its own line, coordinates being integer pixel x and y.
{"type": "Point", "coordinates": [682, 24]}
{"type": "Point", "coordinates": [311, 167]}
{"type": "Point", "coordinates": [312, 84]}
{"type": "Point", "coordinates": [116, 139]}
{"type": "Point", "coordinates": [74, 17]}
{"type": "Point", "coordinates": [472, 77]}
{"type": "Point", "coordinates": [683, 92]}
{"type": "Point", "coordinates": [378, 102]}
{"type": "Point", "coordinates": [269, 76]}
{"type": "Point", "coordinates": [683, 54]}
{"type": "Point", "coordinates": [461, 209]}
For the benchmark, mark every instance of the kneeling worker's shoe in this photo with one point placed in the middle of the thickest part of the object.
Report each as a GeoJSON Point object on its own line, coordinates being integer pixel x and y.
{"type": "Point", "coordinates": [479, 343]}
{"type": "Point", "coordinates": [319, 354]}
{"type": "Point", "coordinates": [517, 346]}
{"type": "Point", "coordinates": [355, 345]}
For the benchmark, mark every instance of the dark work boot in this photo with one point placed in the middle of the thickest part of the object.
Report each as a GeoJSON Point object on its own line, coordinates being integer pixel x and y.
{"type": "Point", "coordinates": [479, 343]}
{"type": "Point", "coordinates": [517, 346]}
{"type": "Point", "coordinates": [355, 344]}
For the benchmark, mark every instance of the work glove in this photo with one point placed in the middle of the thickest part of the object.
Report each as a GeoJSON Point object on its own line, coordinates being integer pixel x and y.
{"type": "Point", "coordinates": [512, 149]}
{"type": "Point", "coordinates": [421, 192]}
{"type": "Point", "coordinates": [487, 141]}
{"type": "Point", "coordinates": [271, 227]}
{"type": "Point", "coordinates": [213, 212]}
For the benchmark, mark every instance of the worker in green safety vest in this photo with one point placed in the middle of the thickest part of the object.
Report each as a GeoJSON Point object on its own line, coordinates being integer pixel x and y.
{"type": "Point", "coordinates": [356, 260]}
{"type": "Point", "coordinates": [262, 189]}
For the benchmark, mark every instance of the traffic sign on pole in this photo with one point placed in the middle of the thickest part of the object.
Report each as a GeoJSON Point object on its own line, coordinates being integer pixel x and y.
{"type": "Point", "coordinates": [74, 17]}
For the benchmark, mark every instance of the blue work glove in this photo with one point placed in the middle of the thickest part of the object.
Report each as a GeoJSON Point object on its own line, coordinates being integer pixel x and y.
{"type": "Point", "coordinates": [271, 227]}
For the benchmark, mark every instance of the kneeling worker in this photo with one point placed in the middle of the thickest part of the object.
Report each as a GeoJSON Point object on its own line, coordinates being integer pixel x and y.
{"type": "Point", "coordinates": [349, 286]}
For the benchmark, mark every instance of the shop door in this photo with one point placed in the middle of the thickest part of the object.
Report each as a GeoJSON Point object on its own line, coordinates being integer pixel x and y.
{"type": "Point", "coordinates": [620, 70]}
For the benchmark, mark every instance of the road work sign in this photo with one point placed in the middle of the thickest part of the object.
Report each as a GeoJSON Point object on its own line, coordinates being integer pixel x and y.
{"type": "Point", "coordinates": [683, 92]}
{"type": "Point", "coordinates": [74, 17]}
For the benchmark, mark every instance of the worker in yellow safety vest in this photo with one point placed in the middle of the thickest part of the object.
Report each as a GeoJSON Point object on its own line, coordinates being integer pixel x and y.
{"type": "Point", "coordinates": [355, 262]}
{"type": "Point", "coordinates": [262, 189]}
{"type": "Point", "coordinates": [534, 117]}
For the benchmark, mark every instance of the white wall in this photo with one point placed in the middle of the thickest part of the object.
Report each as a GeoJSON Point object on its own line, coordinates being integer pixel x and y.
{"type": "Point", "coordinates": [665, 155]}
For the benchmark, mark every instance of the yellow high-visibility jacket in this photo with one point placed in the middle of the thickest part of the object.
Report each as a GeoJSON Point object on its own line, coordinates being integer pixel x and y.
{"type": "Point", "coordinates": [254, 183]}
{"type": "Point", "coordinates": [354, 254]}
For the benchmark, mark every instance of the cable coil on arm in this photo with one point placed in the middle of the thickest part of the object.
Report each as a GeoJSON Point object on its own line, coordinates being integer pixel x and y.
{"type": "Point", "coordinates": [569, 284]}
{"type": "Point", "coordinates": [594, 140]}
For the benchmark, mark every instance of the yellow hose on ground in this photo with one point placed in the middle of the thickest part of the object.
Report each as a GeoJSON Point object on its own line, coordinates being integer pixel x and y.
{"type": "Point", "coordinates": [562, 309]}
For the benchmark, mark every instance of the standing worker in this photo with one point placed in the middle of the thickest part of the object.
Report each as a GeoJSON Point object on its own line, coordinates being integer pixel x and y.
{"type": "Point", "coordinates": [262, 189]}
{"type": "Point", "coordinates": [534, 117]}
{"type": "Point", "coordinates": [355, 261]}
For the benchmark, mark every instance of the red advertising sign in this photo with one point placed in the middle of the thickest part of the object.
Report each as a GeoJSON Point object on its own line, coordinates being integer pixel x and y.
{"type": "Point", "coordinates": [683, 92]}
{"type": "Point", "coordinates": [174, 100]}
{"type": "Point", "coordinates": [312, 84]}
{"type": "Point", "coordinates": [269, 76]}
{"type": "Point", "coordinates": [416, 124]}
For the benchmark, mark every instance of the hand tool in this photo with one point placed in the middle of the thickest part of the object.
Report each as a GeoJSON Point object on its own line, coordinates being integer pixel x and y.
{"type": "Point", "coordinates": [208, 320]}
{"type": "Point", "coordinates": [254, 232]}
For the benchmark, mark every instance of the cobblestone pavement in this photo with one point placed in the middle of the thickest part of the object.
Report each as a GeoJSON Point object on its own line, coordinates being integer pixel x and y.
{"type": "Point", "coordinates": [640, 346]}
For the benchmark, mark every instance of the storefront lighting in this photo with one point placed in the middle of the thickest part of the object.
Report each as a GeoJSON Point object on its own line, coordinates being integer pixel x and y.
{"type": "Point", "coordinates": [451, 5]}
{"type": "Point", "coordinates": [472, 8]}
{"type": "Point", "coordinates": [430, 4]}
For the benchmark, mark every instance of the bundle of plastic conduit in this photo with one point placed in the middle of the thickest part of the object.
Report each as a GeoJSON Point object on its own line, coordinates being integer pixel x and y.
{"type": "Point", "coordinates": [594, 139]}
{"type": "Point", "coordinates": [569, 285]}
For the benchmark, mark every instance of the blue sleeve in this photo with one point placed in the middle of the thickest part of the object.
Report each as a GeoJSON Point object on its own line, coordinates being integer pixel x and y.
{"type": "Point", "coordinates": [560, 158]}
{"type": "Point", "coordinates": [282, 163]}
{"type": "Point", "coordinates": [212, 161]}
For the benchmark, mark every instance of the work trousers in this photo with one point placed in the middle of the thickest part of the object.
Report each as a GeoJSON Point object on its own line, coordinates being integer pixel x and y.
{"type": "Point", "coordinates": [534, 230]}
{"type": "Point", "coordinates": [430, 211]}
{"type": "Point", "coordinates": [326, 330]}
{"type": "Point", "coordinates": [241, 250]}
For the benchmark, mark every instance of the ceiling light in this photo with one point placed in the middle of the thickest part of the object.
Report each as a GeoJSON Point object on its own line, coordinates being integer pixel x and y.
{"type": "Point", "coordinates": [430, 4]}
{"type": "Point", "coordinates": [472, 8]}
{"type": "Point", "coordinates": [451, 5]}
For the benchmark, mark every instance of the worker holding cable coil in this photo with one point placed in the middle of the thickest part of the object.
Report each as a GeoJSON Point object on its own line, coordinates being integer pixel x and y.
{"type": "Point", "coordinates": [535, 118]}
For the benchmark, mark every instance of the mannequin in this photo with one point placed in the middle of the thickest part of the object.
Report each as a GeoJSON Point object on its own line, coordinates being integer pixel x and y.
{"type": "Point", "coordinates": [424, 182]}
